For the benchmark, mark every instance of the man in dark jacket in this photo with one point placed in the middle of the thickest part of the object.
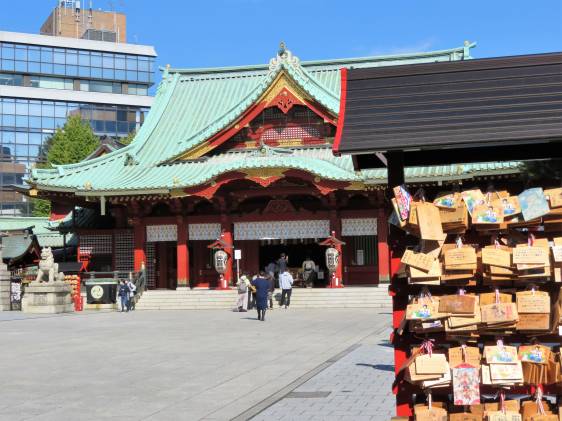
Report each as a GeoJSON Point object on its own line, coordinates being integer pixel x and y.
{"type": "Point", "coordinates": [124, 292]}
{"type": "Point", "coordinates": [261, 283]}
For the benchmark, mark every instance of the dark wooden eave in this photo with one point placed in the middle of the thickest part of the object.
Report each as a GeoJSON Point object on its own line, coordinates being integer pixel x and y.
{"type": "Point", "coordinates": [497, 109]}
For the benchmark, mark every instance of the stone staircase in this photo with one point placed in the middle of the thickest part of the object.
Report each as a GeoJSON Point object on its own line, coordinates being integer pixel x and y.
{"type": "Point", "coordinates": [201, 299]}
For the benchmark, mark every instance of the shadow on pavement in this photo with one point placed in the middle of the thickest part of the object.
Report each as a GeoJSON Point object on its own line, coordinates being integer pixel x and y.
{"type": "Point", "coordinates": [382, 367]}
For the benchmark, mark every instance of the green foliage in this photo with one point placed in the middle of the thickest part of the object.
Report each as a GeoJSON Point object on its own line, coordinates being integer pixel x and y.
{"type": "Point", "coordinates": [129, 138]}
{"type": "Point", "coordinates": [41, 207]}
{"type": "Point", "coordinates": [74, 142]}
{"type": "Point", "coordinates": [543, 171]}
{"type": "Point", "coordinates": [69, 144]}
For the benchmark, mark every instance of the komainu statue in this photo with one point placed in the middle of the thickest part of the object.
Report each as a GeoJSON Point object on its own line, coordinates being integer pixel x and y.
{"type": "Point", "coordinates": [48, 268]}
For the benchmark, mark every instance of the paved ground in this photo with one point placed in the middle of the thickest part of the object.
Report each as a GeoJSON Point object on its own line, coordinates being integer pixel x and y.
{"type": "Point", "coordinates": [184, 365]}
{"type": "Point", "coordinates": [355, 388]}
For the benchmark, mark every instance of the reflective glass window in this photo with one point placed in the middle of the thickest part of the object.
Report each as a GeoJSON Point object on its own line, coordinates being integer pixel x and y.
{"type": "Point", "coordinates": [132, 63]}
{"type": "Point", "coordinates": [8, 51]}
{"type": "Point", "coordinates": [8, 137]}
{"type": "Point", "coordinates": [71, 57]}
{"type": "Point", "coordinates": [11, 79]}
{"type": "Point", "coordinates": [21, 150]}
{"type": "Point", "coordinates": [22, 106]}
{"type": "Point", "coordinates": [33, 150]}
{"type": "Point", "coordinates": [33, 67]}
{"type": "Point", "coordinates": [21, 53]}
{"type": "Point", "coordinates": [144, 65]}
{"type": "Point", "coordinates": [143, 77]}
{"type": "Point", "coordinates": [131, 75]}
{"type": "Point", "coordinates": [120, 74]}
{"type": "Point", "coordinates": [34, 108]}
{"type": "Point", "coordinates": [83, 71]}
{"type": "Point", "coordinates": [46, 55]}
{"type": "Point", "coordinates": [34, 54]}
{"type": "Point", "coordinates": [110, 126]}
{"type": "Point", "coordinates": [35, 122]}
{"type": "Point", "coordinates": [48, 122]}
{"type": "Point", "coordinates": [96, 72]}
{"type": "Point", "coordinates": [8, 65]}
{"type": "Point", "coordinates": [59, 122]}
{"type": "Point", "coordinates": [72, 70]}
{"type": "Point", "coordinates": [46, 68]}
{"type": "Point", "coordinates": [48, 109]}
{"type": "Point", "coordinates": [21, 66]}
{"type": "Point", "coordinates": [95, 59]}
{"type": "Point", "coordinates": [22, 121]}
{"type": "Point", "coordinates": [108, 73]}
{"type": "Point", "coordinates": [122, 127]}
{"type": "Point", "coordinates": [35, 138]}
{"type": "Point", "coordinates": [60, 111]}
{"type": "Point", "coordinates": [120, 61]}
{"type": "Point", "coordinates": [59, 57]}
{"type": "Point", "coordinates": [59, 69]}
{"type": "Point", "coordinates": [84, 58]}
{"type": "Point", "coordinates": [8, 120]}
{"type": "Point", "coordinates": [22, 137]}
{"type": "Point", "coordinates": [108, 61]}
{"type": "Point", "coordinates": [8, 106]}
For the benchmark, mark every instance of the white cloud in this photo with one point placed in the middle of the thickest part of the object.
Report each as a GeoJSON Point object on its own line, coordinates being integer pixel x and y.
{"type": "Point", "coordinates": [421, 46]}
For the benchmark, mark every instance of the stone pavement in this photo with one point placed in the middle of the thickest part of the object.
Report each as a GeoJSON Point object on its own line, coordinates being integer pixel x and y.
{"type": "Point", "coordinates": [356, 387]}
{"type": "Point", "coordinates": [167, 365]}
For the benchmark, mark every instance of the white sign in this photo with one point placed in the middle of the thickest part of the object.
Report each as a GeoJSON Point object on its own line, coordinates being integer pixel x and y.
{"type": "Point", "coordinates": [237, 254]}
{"type": "Point", "coordinates": [557, 253]}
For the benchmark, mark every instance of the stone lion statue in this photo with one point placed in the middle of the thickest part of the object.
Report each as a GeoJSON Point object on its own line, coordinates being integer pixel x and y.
{"type": "Point", "coordinates": [48, 268]}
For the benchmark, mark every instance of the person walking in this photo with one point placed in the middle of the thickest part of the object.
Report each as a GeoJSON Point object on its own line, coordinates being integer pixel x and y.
{"type": "Point", "coordinates": [132, 292]}
{"type": "Point", "coordinates": [242, 303]}
{"type": "Point", "coordinates": [286, 284]}
{"type": "Point", "coordinates": [261, 284]}
{"type": "Point", "coordinates": [271, 279]}
{"type": "Point", "coordinates": [124, 295]}
{"type": "Point", "coordinates": [282, 263]}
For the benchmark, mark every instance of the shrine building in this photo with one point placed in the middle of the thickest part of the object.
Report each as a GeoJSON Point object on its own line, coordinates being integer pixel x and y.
{"type": "Point", "coordinates": [242, 155]}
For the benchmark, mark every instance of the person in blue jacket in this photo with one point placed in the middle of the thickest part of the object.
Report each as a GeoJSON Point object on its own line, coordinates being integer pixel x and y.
{"type": "Point", "coordinates": [124, 292]}
{"type": "Point", "coordinates": [262, 284]}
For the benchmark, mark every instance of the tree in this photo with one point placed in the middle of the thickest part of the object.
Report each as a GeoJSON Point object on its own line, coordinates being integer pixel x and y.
{"type": "Point", "coordinates": [537, 171]}
{"type": "Point", "coordinates": [69, 144]}
{"type": "Point", "coordinates": [129, 138]}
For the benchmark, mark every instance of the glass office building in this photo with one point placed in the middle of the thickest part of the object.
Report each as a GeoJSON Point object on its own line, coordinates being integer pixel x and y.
{"type": "Point", "coordinates": [45, 79]}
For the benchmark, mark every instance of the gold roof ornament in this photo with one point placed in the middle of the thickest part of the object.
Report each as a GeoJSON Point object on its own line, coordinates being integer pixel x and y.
{"type": "Point", "coordinates": [88, 185]}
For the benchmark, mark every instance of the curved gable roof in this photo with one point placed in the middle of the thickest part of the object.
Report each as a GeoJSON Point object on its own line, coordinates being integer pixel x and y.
{"type": "Point", "coordinates": [193, 105]}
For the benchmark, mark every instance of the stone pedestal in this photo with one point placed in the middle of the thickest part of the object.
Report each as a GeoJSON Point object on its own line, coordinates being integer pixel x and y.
{"type": "Point", "coordinates": [4, 287]}
{"type": "Point", "coordinates": [47, 297]}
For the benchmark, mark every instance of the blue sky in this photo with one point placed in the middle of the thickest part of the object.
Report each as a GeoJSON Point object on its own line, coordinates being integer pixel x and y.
{"type": "Point", "coordinates": [201, 33]}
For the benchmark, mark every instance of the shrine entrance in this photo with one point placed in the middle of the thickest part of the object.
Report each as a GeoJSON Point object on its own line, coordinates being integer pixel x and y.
{"type": "Point", "coordinates": [297, 250]}
{"type": "Point", "coordinates": [165, 265]}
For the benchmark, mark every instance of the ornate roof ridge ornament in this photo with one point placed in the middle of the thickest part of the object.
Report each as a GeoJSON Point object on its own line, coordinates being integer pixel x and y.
{"type": "Point", "coordinates": [284, 58]}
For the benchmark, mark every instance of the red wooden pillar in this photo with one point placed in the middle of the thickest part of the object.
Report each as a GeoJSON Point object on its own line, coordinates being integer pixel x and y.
{"type": "Point", "coordinates": [139, 232]}
{"type": "Point", "coordinates": [383, 249]}
{"type": "Point", "coordinates": [182, 253]}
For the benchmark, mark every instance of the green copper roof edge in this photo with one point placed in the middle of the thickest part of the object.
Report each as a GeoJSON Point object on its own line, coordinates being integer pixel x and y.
{"type": "Point", "coordinates": [312, 63]}
{"type": "Point", "coordinates": [314, 88]}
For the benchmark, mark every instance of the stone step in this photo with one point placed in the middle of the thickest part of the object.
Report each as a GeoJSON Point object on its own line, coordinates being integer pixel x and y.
{"type": "Point", "coordinates": [199, 299]}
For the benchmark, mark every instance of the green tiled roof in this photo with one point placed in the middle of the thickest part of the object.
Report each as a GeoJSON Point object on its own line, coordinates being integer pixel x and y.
{"type": "Point", "coordinates": [192, 105]}
{"type": "Point", "coordinates": [40, 226]}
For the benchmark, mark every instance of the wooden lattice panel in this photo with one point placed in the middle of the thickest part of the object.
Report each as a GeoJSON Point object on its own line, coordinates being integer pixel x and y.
{"type": "Point", "coordinates": [124, 251]}
{"type": "Point", "coordinates": [150, 269]}
{"type": "Point", "coordinates": [96, 243]}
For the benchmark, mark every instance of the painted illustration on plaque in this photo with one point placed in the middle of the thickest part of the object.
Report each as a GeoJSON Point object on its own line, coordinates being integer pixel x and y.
{"type": "Point", "coordinates": [466, 385]}
{"type": "Point", "coordinates": [533, 203]}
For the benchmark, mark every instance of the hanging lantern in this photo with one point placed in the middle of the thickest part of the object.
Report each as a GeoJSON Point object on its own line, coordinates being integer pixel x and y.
{"type": "Point", "coordinates": [221, 258]}
{"type": "Point", "coordinates": [332, 259]}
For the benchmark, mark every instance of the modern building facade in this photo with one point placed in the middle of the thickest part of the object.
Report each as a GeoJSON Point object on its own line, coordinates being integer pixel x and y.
{"type": "Point", "coordinates": [44, 79]}
{"type": "Point", "coordinates": [240, 158]}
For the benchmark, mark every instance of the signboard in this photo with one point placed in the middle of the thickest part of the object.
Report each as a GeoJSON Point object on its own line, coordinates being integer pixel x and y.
{"type": "Point", "coordinates": [237, 254]}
